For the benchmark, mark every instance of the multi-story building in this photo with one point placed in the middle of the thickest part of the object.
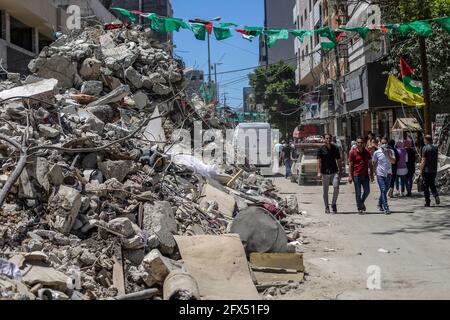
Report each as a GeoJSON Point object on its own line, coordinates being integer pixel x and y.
{"type": "Point", "coordinates": [27, 27]}
{"type": "Point", "coordinates": [317, 70]}
{"type": "Point", "coordinates": [365, 106]}
{"type": "Point", "coordinates": [276, 15]}
{"type": "Point", "coordinates": [161, 7]}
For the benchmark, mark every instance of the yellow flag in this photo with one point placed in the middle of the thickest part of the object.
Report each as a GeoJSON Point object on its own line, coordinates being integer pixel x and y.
{"type": "Point", "coordinates": [396, 91]}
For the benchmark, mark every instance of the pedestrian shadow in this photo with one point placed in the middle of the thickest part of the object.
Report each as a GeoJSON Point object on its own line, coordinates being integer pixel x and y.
{"type": "Point", "coordinates": [432, 220]}
{"type": "Point", "coordinates": [356, 212]}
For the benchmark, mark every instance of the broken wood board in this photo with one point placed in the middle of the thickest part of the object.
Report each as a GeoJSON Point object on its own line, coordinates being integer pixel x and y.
{"type": "Point", "coordinates": [219, 265]}
{"type": "Point", "coordinates": [265, 277]}
{"type": "Point", "coordinates": [225, 201]}
{"type": "Point", "coordinates": [118, 276]}
{"type": "Point", "coordinates": [278, 260]}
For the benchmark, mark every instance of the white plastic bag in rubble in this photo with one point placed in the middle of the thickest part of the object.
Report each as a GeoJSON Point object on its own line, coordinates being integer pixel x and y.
{"type": "Point", "coordinates": [196, 165]}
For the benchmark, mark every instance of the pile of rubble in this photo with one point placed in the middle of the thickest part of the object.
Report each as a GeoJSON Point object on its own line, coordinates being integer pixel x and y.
{"type": "Point", "coordinates": [443, 175]}
{"type": "Point", "coordinates": [91, 199]}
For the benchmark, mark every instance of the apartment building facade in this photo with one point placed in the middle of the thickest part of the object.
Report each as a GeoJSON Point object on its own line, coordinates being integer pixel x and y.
{"type": "Point", "coordinates": [27, 27]}
{"type": "Point", "coordinates": [275, 16]}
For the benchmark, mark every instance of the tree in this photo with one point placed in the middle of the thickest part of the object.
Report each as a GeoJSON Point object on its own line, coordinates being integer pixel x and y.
{"type": "Point", "coordinates": [275, 88]}
{"type": "Point", "coordinates": [438, 50]}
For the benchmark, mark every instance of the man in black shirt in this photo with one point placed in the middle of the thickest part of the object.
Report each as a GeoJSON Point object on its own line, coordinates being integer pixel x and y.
{"type": "Point", "coordinates": [329, 169]}
{"type": "Point", "coordinates": [428, 169]}
{"type": "Point", "coordinates": [286, 154]}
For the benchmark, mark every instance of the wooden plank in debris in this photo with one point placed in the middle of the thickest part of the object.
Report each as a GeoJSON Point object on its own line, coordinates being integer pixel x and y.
{"type": "Point", "coordinates": [265, 277]}
{"type": "Point", "coordinates": [278, 260]}
{"type": "Point", "coordinates": [273, 270]}
{"type": "Point", "coordinates": [235, 177]}
{"type": "Point", "coordinates": [118, 276]}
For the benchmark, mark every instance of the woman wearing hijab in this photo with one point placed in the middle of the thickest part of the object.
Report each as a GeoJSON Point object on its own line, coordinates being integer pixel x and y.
{"type": "Point", "coordinates": [402, 168]}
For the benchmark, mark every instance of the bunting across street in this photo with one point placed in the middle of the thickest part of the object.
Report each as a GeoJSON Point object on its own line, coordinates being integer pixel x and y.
{"type": "Point", "coordinates": [330, 37]}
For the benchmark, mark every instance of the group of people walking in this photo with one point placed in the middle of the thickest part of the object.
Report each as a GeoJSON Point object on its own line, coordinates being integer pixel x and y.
{"type": "Point", "coordinates": [392, 164]}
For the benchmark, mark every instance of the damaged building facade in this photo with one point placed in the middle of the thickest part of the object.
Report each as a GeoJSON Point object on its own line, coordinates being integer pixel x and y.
{"type": "Point", "coordinates": [26, 28]}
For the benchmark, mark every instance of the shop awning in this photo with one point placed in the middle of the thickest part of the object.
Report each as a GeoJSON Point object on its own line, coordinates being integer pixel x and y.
{"type": "Point", "coordinates": [406, 124]}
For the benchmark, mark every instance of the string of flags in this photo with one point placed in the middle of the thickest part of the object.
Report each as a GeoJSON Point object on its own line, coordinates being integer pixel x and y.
{"type": "Point", "coordinates": [223, 30]}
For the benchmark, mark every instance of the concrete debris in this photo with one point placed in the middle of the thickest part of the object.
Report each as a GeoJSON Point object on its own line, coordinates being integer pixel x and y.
{"type": "Point", "coordinates": [102, 196]}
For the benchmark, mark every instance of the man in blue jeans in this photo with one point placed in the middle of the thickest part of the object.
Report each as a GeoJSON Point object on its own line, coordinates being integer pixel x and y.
{"type": "Point", "coordinates": [286, 155]}
{"type": "Point", "coordinates": [428, 169]}
{"type": "Point", "coordinates": [359, 166]}
{"type": "Point", "coordinates": [383, 159]}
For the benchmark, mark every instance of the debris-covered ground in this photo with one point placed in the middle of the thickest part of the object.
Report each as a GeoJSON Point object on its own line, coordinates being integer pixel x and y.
{"type": "Point", "coordinates": [91, 195]}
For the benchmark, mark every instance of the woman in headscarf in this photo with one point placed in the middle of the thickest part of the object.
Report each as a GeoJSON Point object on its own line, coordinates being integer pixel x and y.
{"type": "Point", "coordinates": [402, 168]}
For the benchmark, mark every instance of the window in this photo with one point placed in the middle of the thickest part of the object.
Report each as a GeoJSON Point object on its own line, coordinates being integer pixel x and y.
{"type": "Point", "coordinates": [21, 34]}
{"type": "Point", "coordinates": [307, 50]}
{"type": "Point", "coordinates": [303, 55]}
{"type": "Point", "coordinates": [310, 5]}
{"type": "Point", "coordinates": [306, 15]}
{"type": "Point", "coordinates": [301, 22]}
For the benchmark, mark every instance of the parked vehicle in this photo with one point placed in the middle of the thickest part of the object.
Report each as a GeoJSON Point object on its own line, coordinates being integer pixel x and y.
{"type": "Point", "coordinates": [253, 143]}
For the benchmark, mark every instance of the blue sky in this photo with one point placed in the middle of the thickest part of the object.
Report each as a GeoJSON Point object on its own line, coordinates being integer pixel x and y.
{"type": "Point", "coordinates": [234, 53]}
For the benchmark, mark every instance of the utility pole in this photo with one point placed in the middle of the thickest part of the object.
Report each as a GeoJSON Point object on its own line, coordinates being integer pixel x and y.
{"type": "Point", "coordinates": [215, 79]}
{"type": "Point", "coordinates": [209, 60]}
{"type": "Point", "coordinates": [426, 84]}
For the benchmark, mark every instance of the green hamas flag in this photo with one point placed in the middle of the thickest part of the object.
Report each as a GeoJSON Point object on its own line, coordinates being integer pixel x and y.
{"type": "Point", "coordinates": [174, 24]}
{"type": "Point", "coordinates": [301, 34]}
{"type": "Point", "coordinates": [444, 23]}
{"type": "Point", "coordinates": [228, 24]}
{"type": "Point", "coordinates": [199, 30]}
{"type": "Point", "coordinates": [327, 33]}
{"type": "Point", "coordinates": [362, 31]}
{"type": "Point", "coordinates": [163, 25]}
{"type": "Point", "coordinates": [131, 16]}
{"type": "Point", "coordinates": [422, 28]}
{"type": "Point", "coordinates": [274, 35]}
{"type": "Point", "coordinates": [208, 92]}
{"type": "Point", "coordinates": [222, 33]}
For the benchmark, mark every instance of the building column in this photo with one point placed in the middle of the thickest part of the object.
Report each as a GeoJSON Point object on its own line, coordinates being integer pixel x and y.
{"type": "Point", "coordinates": [6, 26]}
{"type": "Point", "coordinates": [35, 40]}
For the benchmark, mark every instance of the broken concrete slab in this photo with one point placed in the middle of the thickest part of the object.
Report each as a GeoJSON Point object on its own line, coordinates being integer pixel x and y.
{"type": "Point", "coordinates": [292, 261]}
{"type": "Point", "coordinates": [92, 87]}
{"type": "Point", "coordinates": [157, 268]}
{"type": "Point", "coordinates": [55, 175]}
{"type": "Point", "coordinates": [117, 169]}
{"type": "Point", "coordinates": [68, 203]}
{"type": "Point", "coordinates": [225, 201]}
{"type": "Point", "coordinates": [159, 219]}
{"type": "Point", "coordinates": [141, 100]}
{"type": "Point", "coordinates": [114, 96]}
{"type": "Point", "coordinates": [219, 266]}
{"type": "Point", "coordinates": [58, 67]}
{"type": "Point", "coordinates": [123, 226]}
{"type": "Point", "coordinates": [43, 89]}
{"type": "Point", "coordinates": [134, 77]}
{"type": "Point", "coordinates": [48, 132]}
{"type": "Point", "coordinates": [104, 112]}
{"type": "Point", "coordinates": [90, 69]}
{"type": "Point", "coordinates": [48, 277]}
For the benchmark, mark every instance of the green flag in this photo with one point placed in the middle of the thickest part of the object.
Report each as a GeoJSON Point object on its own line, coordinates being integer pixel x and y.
{"type": "Point", "coordinates": [444, 23]}
{"type": "Point", "coordinates": [362, 31]}
{"type": "Point", "coordinates": [222, 33]}
{"type": "Point", "coordinates": [301, 34]}
{"type": "Point", "coordinates": [228, 24]}
{"type": "Point", "coordinates": [131, 16]}
{"type": "Point", "coordinates": [274, 35]}
{"type": "Point", "coordinates": [199, 30]}
{"type": "Point", "coordinates": [256, 31]}
{"type": "Point", "coordinates": [422, 28]}
{"type": "Point", "coordinates": [174, 24]}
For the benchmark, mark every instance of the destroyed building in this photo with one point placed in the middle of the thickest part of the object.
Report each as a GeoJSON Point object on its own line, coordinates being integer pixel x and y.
{"type": "Point", "coordinates": [93, 203]}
